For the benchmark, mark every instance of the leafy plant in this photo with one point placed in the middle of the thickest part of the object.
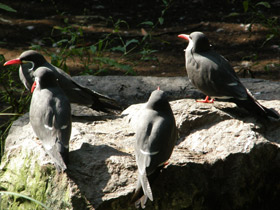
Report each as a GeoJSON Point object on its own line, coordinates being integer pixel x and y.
{"type": "Point", "coordinates": [15, 98]}
{"type": "Point", "coordinates": [73, 45]}
{"type": "Point", "coordinates": [7, 8]}
{"type": "Point", "coordinates": [144, 44]}
{"type": "Point", "coordinates": [22, 196]}
{"type": "Point", "coordinates": [257, 15]}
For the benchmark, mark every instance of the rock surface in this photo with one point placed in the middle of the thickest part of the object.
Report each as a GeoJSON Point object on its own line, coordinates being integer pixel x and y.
{"type": "Point", "coordinates": [224, 158]}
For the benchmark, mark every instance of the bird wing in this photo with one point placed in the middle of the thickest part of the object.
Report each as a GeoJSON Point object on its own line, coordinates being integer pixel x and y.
{"type": "Point", "coordinates": [83, 95]}
{"type": "Point", "coordinates": [152, 146]}
{"type": "Point", "coordinates": [222, 76]}
{"type": "Point", "coordinates": [51, 139]}
{"type": "Point", "coordinates": [143, 150]}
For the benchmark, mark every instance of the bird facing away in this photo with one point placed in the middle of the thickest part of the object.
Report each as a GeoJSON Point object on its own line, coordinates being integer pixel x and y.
{"type": "Point", "coordinates": [31, 60]}
{"type": "Point", "coordinates": [156, 135]}
{"type": "Point", "coordinates": [212, 74]}
{"type": "Point", "coordinates": [50, 116]}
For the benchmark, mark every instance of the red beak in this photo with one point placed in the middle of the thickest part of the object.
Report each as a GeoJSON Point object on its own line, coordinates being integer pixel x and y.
{"type": "Point", "coordinates": [33, 87]}
{"type": "Point", "coordinates": [158, 88]}
{"type": "Point", "coordinates": [14, 61]}
{"type": "Point", "coordinates": [184, 36]}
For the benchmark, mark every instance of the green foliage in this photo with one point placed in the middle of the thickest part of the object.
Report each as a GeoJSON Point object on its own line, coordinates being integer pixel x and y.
{"type": "Point", "coordinates": [28, 186]}
{"type": "Point", "coordinates": [25, 184]}
{"type": "Point", "coordinates": [94, 56]}
{"type": "Point", "coordinates": [22, 196]}
{"type": "Point", "coordinates": [7, 8]}
{"type": "Point", "coordinates": [256, 15]}
{"type": "Point", "coordinates": [13, 94]}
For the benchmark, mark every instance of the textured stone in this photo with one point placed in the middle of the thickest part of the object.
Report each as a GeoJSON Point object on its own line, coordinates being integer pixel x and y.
{"type": "Point", "coordinates": [224, 158]}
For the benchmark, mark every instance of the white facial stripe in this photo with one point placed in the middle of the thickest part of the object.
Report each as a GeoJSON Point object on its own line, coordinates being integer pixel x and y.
{"type": "Point", "coordinates": [148, 153]}
{"type": "Point", "coordinates": [32, 65]}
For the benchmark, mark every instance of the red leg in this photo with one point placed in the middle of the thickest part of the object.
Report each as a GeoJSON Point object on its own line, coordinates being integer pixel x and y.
{"type": "Point", "coordinates": [206, 100]}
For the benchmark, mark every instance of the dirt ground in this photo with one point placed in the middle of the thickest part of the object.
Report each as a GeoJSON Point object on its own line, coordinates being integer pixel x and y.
{"type": "Point", "coordinates": [34, 21]}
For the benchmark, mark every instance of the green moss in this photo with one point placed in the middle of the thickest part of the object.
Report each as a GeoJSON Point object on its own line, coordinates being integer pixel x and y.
{"type": "Point", "coordinates": [22, 174]}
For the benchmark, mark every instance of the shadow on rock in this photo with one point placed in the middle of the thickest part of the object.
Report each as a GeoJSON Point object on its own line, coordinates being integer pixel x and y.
{"type": "Point", "coordinates": [85, 119]}
{"type": "Point", "coordinates": [241, 181]}
{"type": "Point", "coordinates": [88, 169]}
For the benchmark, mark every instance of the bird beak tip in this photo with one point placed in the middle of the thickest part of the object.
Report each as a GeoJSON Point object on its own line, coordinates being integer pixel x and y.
{"type": "Point", "coordinates": [184, 36]}
{"type": "Point", "coordinates": [11, 62]}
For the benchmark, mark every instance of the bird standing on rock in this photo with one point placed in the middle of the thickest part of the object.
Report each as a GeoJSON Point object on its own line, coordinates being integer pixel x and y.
{"type": "Point", "coordinates": [212, 74]}
{"type": "Point", "coordinates": [50, 116]}
{"type": "Point", "coordinates": [156, 135]}
{"type": "Point", "coordinates": [31, 60]}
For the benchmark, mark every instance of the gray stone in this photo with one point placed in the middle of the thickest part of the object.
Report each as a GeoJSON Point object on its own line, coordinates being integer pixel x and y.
{"type": "Point", "coordinates": [224, 158]}
{"type": "Point", "coordinates": [130, 89]}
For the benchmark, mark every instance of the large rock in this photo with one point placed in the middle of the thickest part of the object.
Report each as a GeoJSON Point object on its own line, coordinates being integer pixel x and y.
{"type": "Point", "coordinates": [224, 158]}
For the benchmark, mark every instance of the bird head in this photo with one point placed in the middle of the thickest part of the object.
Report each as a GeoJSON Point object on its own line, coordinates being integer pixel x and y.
{"type": "Point", "coordinates": [198, 42]}
{"type": "Point", "coordinates": [29, 56]}
{"type": "Point", "coordinates": [44, 78]}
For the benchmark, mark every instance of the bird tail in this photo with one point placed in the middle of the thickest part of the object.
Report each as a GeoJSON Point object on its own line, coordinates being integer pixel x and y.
{"type": "Point", "coordinates": [99, 101]}
{"type": "Point", "coordinates": [143, 189]}
{"type": "Point", "coordinates": [104, 103]}
{"type": "Point", "coordinates": [59, 154]}
{"type": "Point", "coordinates": [253, 106]}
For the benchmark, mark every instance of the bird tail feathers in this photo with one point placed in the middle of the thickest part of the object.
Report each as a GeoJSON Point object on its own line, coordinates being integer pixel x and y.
{"type": "Point", "coordinates": [140, 197]}
{"type": "Point", "coordinates": [257, 108]}
{"type": "Point", "coordinates": [254, 107]}
{"type": "Point", "coordinates": [141, 202]}
{"type": "Point", "coordinates": [57, 158]}
{"type": "Point", "coordinates": [146, 186]}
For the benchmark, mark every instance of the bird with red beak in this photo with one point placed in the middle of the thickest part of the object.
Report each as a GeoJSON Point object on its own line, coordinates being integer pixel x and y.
{"type": "Point", "coordinates": [212, 74]}
{"type": "Point", "coordinates": [50, 116]}
{"type": "Point", "coordinates": [31, 60]}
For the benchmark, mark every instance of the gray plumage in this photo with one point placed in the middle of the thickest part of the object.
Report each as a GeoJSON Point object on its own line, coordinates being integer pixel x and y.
{"type": "Point", "coordinates": [31, 60]}
{"type": "Point", "coordinates": [50, 116]}
{"type": "Point", "coordinates": [212, 74]}
{"type": "Point", "coordinates": [156, 135]}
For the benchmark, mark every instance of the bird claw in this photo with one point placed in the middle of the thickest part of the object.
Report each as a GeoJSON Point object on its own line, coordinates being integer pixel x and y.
{"type": "Point", "coordinates": [206, 100]}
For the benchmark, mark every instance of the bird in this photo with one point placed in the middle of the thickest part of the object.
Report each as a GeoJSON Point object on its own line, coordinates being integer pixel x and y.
{"type": "Point", "coordinates": [156, 135]}
{"type": "Point", "coordinates": [213, 75]}
{"type": "Point", "coordinates": [50, 116]}
{"type": "Point", "coordinates": [31, 60]}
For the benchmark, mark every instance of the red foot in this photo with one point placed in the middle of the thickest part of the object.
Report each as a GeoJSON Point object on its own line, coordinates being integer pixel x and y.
{"type": "Point", "coordinates": [206, 100]}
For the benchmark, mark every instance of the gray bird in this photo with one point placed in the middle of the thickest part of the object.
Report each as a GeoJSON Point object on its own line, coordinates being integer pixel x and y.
{"type": "Point", "coordinates": [156, 135]}
{"type": "Point", "coordinates": [31, 60]}
{"type": "Point", "coordinates": [50, 116]}
{"type": "Point", "coordinates": [212, 74]}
